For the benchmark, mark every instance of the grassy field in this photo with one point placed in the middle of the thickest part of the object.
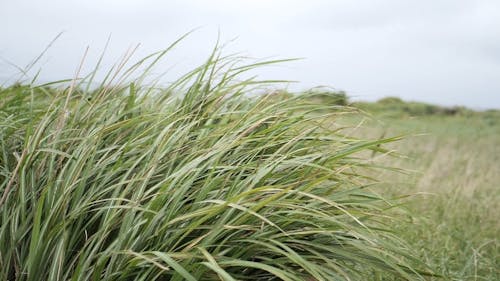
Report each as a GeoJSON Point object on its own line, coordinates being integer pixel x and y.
{"type": "Point", "coordinates": [452, 163]}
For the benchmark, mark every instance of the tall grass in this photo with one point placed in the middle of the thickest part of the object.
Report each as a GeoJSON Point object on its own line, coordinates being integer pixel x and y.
{"type": "Point", "coordinates": [195, 181]}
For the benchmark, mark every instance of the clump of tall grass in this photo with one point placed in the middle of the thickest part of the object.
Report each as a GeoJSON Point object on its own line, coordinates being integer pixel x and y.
{"type": "Point", "coordinates": [194, 181]}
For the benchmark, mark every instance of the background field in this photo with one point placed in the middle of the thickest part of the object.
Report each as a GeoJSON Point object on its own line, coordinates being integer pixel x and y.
{"type": "Point", "coordinates": [452, 166]}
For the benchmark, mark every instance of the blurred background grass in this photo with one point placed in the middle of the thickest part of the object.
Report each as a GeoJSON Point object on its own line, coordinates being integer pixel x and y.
{"type": "Point", "coordinates": [451, 159]}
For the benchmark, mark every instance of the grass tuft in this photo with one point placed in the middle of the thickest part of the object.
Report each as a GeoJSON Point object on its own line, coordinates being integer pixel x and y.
{"type": "Point", "coordinates": [195, 181]}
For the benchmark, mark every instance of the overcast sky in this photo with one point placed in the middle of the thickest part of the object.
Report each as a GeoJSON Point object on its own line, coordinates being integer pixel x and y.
{"type": "Point", "coordinates": [439, 51]}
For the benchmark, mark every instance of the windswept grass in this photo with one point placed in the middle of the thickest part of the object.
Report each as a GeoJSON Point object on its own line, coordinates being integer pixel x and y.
{"type": "Point", "coordinates": [196, 181]}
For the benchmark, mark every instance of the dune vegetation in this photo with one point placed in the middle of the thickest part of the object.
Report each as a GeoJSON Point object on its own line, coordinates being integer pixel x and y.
{"type": "Point", "coordinates": [204, 179]}
{"type": "Point", "coordinates": [195, 181]}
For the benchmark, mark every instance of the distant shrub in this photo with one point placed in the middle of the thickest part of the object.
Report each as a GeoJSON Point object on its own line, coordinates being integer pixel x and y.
{"type": "Point", "coordinates": [394, 106]}
{"type": "Point", "coordinates": [390, 100]}
{"type": "Point", "coordinates": [328, 97]}
{"type": "Point", "coordinates": [420, 109]}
